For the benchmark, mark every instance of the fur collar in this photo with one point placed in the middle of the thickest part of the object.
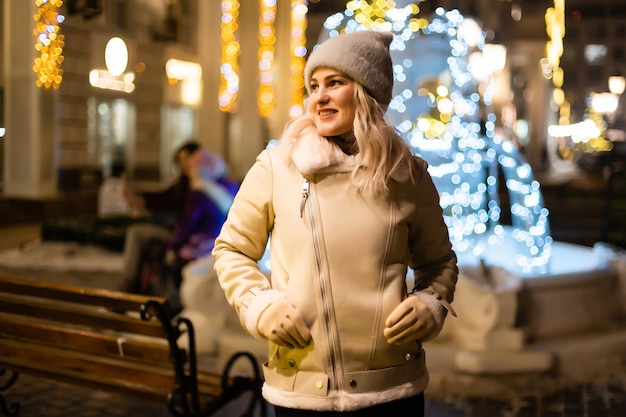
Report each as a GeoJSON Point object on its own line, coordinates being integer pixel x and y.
{"type": "Point", "coordinates": [312, 153]}
{"type": "Point", "coordinates": [315, 154]}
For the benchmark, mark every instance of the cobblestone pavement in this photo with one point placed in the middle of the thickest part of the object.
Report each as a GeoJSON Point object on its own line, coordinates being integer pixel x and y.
{"type": "Point", "coordinates": [44, 398]}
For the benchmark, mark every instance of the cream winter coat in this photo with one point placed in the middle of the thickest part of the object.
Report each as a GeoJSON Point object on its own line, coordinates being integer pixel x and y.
{"type": "Point", "coordinates": [341, 260]}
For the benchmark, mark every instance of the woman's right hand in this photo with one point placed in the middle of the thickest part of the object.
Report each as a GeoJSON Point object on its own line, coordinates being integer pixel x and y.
{"type": "Point", "coordinates": [283, 325]}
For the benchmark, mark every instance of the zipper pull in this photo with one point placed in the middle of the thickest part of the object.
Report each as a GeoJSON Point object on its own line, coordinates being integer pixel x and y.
{"type": "Point", "coordinates": [305, 195]}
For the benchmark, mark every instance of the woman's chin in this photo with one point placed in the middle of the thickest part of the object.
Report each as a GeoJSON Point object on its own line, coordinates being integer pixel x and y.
{"type": "Point", "coordinates": [331, 132]}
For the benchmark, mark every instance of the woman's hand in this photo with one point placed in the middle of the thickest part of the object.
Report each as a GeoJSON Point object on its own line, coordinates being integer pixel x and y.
{"type": "Point", "coordinates": [410, 321]}
{"type": "Point", "coordinates": [283, 325]}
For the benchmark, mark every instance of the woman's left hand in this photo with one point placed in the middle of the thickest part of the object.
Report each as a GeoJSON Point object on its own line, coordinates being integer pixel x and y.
{"type": "Point", "coordinates": [410, 321]}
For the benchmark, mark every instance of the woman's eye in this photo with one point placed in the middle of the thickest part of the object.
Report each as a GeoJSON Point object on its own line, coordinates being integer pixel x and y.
{"type": "Point", "coordinates": [314, 87]}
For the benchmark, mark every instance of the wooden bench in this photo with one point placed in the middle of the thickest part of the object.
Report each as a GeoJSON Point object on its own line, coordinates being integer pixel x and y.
{"type": "Point", "coordinates": [113, 341]}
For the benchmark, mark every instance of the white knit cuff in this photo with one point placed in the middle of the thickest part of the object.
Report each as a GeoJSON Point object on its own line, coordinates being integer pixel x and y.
{"type": "Point", "coordinates": [258, 302]}
{"type": "Point", "coordinates": [436, 308]}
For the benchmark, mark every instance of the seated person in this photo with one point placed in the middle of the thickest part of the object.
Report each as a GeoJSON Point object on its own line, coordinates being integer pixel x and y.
{"type": "Point", "coordinates": [167, 203]}
{"type": "Point", "coordinates": [208, 201]}
{"type": "Point", "coordinates": [204, 210]}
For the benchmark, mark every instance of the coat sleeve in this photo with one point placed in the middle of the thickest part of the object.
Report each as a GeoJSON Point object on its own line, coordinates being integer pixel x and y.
{"type": "Point", "coordinates": [432, 259]}
{"type": "Point", "coordinates": [242, 241]}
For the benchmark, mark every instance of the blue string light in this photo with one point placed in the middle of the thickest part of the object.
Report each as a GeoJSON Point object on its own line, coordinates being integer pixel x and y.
{"type": "Point", "coordinates": [449, 122]}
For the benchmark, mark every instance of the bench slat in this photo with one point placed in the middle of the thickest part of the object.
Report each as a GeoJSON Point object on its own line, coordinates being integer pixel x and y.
{"type": "Point", "coordinates": [82, 339]}
{"type": "Point", "coordinates": [83, 366]}
{"type": "Point", "coordinates": [82, 295]}
{"type": "Point", "coordinates": [208, 392]}
{"type": "Point", "coordinates": [120, 376]}
{"type": "Point", "coordinates": [208, 382]}
{"type": "Point", "coordinates": [79, 315]}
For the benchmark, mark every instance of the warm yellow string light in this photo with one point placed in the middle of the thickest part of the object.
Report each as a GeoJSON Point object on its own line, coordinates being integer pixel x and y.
{"type": "Point", "coordinates": [555, 27]}
{"type": "Point", "coordinates": [229, 70]}
{"type": "Point", "coordinates": [49, 43]}
{"type": "Point", "coordinates": [371, 14]}
{"type": "Point", "coordinates": [299, 11]}
{"type": "Point", "coordinates": [267, 39]}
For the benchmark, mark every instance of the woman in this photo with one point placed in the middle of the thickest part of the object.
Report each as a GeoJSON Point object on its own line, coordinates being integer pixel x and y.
{"type": "Point", "coordinates": [349, 210]}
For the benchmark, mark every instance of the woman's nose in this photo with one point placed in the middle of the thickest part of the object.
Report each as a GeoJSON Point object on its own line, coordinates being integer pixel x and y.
{"type": "Point", "coordinates": [322, 95]}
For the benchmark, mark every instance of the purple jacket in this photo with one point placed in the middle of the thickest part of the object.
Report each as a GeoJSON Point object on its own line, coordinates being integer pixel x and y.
{"type": "Point", "coordinates": [199, 223]}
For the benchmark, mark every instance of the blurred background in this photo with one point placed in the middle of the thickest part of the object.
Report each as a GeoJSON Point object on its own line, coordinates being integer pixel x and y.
{"type": "Point", "coordinates": [90, 85]}
{"type": "Point", "coordinates": [517, 105]}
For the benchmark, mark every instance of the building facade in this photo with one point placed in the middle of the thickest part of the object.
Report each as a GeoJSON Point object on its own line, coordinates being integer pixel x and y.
{"type": "Point", "coordinates": [67, 138]}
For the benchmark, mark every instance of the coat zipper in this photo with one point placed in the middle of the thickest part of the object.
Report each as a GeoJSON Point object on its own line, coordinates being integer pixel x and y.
{"type": "Point", "coordinates": [306, 191]}
{"type": "Point", "coordinates": [305, 195]}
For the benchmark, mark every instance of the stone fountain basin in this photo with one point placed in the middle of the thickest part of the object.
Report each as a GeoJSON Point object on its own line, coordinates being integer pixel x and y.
{"type": "Point", "coordinates": [565, 326]}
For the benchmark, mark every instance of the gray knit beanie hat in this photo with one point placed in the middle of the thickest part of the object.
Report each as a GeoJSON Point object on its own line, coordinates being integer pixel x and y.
{"type": "Point", "coordinates": [363, 56]}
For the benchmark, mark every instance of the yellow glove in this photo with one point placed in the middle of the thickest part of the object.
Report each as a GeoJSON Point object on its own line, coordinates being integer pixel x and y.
{"type": "Point", "coordinates": [283, 325]}
{"type": "Point", "coordinates": [411, 320]}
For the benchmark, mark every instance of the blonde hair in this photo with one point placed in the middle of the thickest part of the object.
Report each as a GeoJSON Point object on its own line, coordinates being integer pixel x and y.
{"type": "Point", "coordinates": [383, 153]}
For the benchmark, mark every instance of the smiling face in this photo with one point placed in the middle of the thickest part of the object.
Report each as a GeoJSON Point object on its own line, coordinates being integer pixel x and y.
{"type": "Point", "coordinates": [332, 103]}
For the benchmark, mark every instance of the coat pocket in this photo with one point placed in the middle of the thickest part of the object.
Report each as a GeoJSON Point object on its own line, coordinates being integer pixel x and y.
{"type": "Point", "coordinates": [292, 380]}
